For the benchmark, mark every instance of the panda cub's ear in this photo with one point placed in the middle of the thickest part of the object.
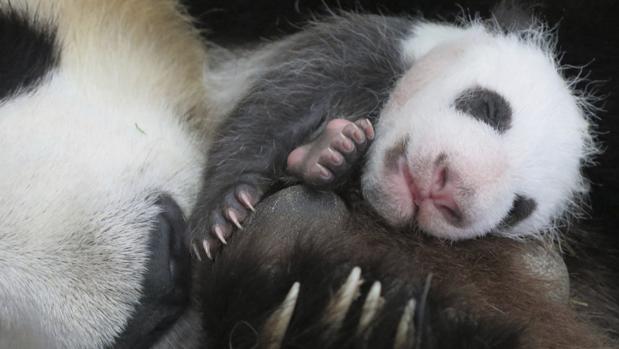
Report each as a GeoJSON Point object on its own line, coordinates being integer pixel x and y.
{"type": "Point", "coordinates": [514, 15]}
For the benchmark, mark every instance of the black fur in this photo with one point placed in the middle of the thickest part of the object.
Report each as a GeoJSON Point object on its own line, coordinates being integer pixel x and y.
{"type": "Point", "coordinates": [239, 21]}
{"type": "Point", "coordinates": [592, 258]}
{"type": "Point", "coordinates": [166, 281]}
{"type": "Point", "coordinates": [513, 15]}
{"type": "Point", "coordinates": [29, 52]}
{"type": "Point", "coordinates": [251, 277]}
{"type": "Point", "coordinates": [486, 106]}
{"type": "Point", "coordinates": [480, 294]}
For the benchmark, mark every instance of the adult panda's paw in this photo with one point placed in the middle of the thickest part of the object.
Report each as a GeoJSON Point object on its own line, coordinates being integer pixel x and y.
{"type": "Point", "coordinates": [214, 222]}
{"type": "Point", "coordinates": [332, 154]}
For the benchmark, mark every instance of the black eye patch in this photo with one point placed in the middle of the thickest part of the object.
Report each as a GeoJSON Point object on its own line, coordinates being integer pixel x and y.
{"type": "Point", "coordinates": [486, 106]}
{"type": "Point", "coordinates": [521, 209]}
{"type": "Point", "coordinates": [29, 52]}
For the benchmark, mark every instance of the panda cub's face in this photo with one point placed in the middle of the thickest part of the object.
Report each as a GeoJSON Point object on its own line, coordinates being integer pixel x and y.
{"type": "Point", "coordinates": [481, 135]}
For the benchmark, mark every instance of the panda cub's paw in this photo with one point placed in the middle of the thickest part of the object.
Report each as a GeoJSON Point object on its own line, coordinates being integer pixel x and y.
{"type": "Point", "coordinates": [332, 154]}
{"type": "Point", "coordinates": [212, 225]}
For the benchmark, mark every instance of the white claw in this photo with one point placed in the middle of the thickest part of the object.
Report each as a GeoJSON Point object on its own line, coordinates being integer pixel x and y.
{"type": "Point", "coordinates": [277, 324]}
{"type": "Point", "coordinates": [372, 305]}
{"type": "Point", "coordinates": [234, 219]}
{"type": "Point", "coordinates": [196, 251]}
{"type": "Point", "coordinates": [220, 234]}
{"type": "Point", "coordinates": [245, 200]}
{"type": "Point", "coordinates": [341, 302]}
{"type": "Point", "coordinates": [207, 249]}
{"type": "Point", "coordinates": [405, 337]}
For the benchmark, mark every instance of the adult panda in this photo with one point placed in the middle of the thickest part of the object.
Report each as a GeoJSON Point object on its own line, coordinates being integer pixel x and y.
{"type": "Point", "coordinates": [98, 169]}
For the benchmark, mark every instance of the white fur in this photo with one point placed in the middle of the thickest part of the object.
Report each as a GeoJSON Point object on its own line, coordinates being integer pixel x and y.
{"type": "Point", "coordinates": [540, 156]}
{"type": "Point", "coordinates": [83, 158]}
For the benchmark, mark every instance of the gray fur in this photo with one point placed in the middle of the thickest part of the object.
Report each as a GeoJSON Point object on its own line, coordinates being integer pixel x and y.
{"type": "Point", "coordinates": [308, 79]}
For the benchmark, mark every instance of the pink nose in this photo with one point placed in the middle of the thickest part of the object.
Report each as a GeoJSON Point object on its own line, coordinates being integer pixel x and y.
{"type": "Point", "coordinates": [441, 192]}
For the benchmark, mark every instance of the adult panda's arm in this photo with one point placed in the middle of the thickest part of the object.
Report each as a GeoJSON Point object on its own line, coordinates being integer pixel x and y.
{"type": "Point", "coordinates": [343, 68]}
{"type": "Point", "coordinates": [289, 281]}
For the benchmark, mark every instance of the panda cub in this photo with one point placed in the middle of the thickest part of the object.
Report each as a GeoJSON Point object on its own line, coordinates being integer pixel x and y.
{"type": "Point", "coordinates": [460, 130]}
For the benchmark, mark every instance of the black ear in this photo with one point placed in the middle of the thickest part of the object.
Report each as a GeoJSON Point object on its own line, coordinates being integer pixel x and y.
{"type": "Point", "coordinates": [514, 15]}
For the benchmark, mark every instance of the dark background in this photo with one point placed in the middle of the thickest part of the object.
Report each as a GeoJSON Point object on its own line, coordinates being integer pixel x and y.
{"type": "Point", "coordinates": [588, 34]}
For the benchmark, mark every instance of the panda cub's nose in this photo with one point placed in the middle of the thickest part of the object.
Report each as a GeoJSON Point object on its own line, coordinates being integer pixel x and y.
{"type": "Point", "coordinates": [438, 192]}
{"type": "Point", "coordinates": [442, 193]}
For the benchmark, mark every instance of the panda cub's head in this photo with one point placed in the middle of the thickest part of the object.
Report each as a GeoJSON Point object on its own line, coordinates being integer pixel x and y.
{"type": "Point", "coordinates": [482, 134]}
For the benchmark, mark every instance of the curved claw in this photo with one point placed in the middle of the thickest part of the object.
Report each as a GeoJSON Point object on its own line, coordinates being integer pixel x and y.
{"type": "Point", "coordinates": [234, 218]}
{"type": "Point", "coordinates": [372, 305]}
{"type": "Point", "coordinates": [207, 249]}
{"type": "Point", "coordinates": [277, 324]}
{"type": "Point", "coordinates": [338, 307]}
{"type": "Point", "coordinates": [220, 234]}
{"type": "Point", "coordinates": [244, 197]}
{"type": "Point", "coordinates": [196, 252]}
{"type": "Point", "coordinates": [405, 336]}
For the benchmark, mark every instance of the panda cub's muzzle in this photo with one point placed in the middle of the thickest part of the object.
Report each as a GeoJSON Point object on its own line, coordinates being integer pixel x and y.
{"type": "Point", "coordinates": [166, 280]}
